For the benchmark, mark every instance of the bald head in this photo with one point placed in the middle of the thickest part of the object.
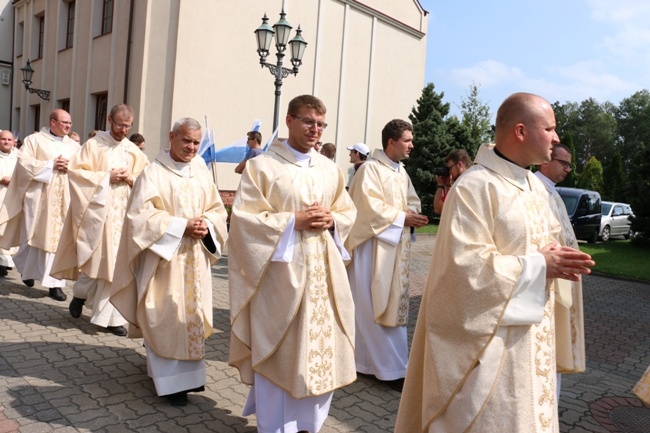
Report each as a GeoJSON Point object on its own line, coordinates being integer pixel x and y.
{"type": "Point", "coordinates": [525, 129]}
{"type": "Point", "coordinates": [60, 122]}
{"type": "Point", "coordinates": [6, 141]}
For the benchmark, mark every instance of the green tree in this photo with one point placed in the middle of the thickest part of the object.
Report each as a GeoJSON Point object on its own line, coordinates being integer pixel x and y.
{"type": "Point", "coordinates": [476, 118]}
{"type": "Point", "coordinates": [613, 178]}
{"type": "Point", "coordinates": [592, 175]}
{"type": "Point", "coordinates": [638, 193]}
{"type": "Point", "coordinates": [435, 134]}
{"type": "Point", "coordinates": [633, 120]}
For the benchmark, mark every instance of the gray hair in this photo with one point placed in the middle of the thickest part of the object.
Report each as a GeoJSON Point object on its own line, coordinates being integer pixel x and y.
{"type": "Point", "coordinates": [186, 122]}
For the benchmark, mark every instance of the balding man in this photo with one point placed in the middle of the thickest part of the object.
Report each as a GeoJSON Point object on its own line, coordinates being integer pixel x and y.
{"type": "Point", "coordinates": [37, 201]}
{"type": "Point", "coordinates": [483, 353]}
{"type": "Point", "coordinates": [101, 177]}
{"type": "Point", "coordinates": [8, 160]}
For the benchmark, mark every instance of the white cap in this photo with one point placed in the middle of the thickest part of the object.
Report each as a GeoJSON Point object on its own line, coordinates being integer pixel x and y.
{"type": "Point", "coordinates": [361, 148]}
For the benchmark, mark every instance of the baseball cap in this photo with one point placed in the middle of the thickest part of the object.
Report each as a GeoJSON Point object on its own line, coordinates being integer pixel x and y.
{"type": "Point", "coordinates": [361, 148]}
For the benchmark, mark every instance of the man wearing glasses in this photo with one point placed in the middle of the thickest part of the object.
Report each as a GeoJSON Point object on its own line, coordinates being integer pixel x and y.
{"type": "Point", "coordinates": [37, 201]}
{"type": "Point", "coordinates": [456, 162]}
{"type": "Point", "coordinates": [292, 315]}
{"type": "Point", "coordinates": [569, 320]}
{"type": "Point", "coordinates": [101, 177]}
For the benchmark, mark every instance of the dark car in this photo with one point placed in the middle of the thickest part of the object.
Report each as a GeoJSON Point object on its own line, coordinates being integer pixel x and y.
{"type": "Point", "coordinates": [583, 207]}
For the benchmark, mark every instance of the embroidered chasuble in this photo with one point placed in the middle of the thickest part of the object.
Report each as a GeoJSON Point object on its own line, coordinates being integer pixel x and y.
{"type": "Point", "coordinates": [381, 194]}
{"type": "Point", "coordinates": [293, 321]}
{"type": "Point", "coordinates": [169, 301]}
{"type": "Point", "coordinates": [7, 166]}
{"type": "Point", "coordinates": [569, 317]}
{"type": "Point", "coordinates": [37, 200]}
{"type": "Point", "coordinates": [470, 370]}
{"type": "Point", "coordinates": [92, 229]}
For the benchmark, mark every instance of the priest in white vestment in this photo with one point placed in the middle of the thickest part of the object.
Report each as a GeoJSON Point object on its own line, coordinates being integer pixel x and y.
{"type": "Point", "coordinates": [380, 244]}
{"type": "Point", "coordinates": [101, 176]}
{"type": "Point", "coordinates": [483, 354]}
{"type": "Point", "coordinates": [569, 318]}
{"type": "Point", "coordinates": [8, 158]}
{"type": "Point", "coordinates": [37, 200]}
{"type": "Point", "coordinates": [174, 231]}
{"type": "Point", "coordinates": [292, 314]}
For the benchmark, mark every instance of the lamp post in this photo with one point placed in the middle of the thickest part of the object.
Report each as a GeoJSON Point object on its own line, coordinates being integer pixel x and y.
{"type": "Point", "coordinates": [281, 30]}
{"type": "Point", "coordinates": [27, 72]}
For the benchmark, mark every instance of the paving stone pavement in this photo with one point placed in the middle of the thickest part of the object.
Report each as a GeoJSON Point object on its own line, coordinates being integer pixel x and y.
{"type": "Point", "coordinates": [59, 374]}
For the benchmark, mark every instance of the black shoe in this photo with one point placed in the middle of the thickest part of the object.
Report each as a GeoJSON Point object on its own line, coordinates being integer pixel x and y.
{"type": "Point", "coordinates": [3, 271]}
{"type": "Point", "coordinates": [76, 306]}
{"type": "Point", "coordinates": [120, 331]}
{"type": "Point", "coordinates": [57, 294]}
{"type": "Point", "coordinates": [178, 399]}
{"type": "Point", "coordinates": [29, 283]}
{"type": "Point", "coordinates": [395, 385]}
{"type": "Point", "coordinates": [199, 389]}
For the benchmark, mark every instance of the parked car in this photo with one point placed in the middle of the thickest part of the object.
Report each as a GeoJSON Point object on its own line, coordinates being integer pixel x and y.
{"type": "Point", "coordinates": [616, 220]}
{"type": "Point", "coordinates": [583, 207]}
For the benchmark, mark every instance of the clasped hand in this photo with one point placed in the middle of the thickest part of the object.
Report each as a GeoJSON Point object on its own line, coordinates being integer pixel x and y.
{"type": "Point", "coordinates": [314, 218]}
{"type": "Point", "coordinates": [196, 228]}
{"type": "Point", "coordinates": [61, 164]}
{"type": "Point", "coordinates": [119, 175]}
{"type": "Point", "coordinates": [565, 262]}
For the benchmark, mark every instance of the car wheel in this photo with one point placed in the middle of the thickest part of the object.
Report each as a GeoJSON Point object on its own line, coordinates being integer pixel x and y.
{"type": "Point", "coordinates": [594, 237]}
{"type": "Point", "coordinates": [605, 234]}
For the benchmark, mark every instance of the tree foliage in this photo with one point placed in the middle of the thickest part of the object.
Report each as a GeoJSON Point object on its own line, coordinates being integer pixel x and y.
{"type": "Point", "coordinates": [435, 134]}
{"type": "Point", "coordinates": [476, 118]}
{"type": "Point", "coordinates": [592, 176]}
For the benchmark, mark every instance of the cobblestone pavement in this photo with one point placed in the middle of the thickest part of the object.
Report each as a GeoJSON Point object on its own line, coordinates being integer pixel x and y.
{"type": "Point", "coordinates": [59, 374]}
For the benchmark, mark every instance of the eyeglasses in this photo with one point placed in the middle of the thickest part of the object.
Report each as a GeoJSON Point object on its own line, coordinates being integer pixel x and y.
{"type": "Point", "coordinates": [565, 164]}
{"type": "Point", "coordinates": [64, 122]}
{"type": "Point", "coordinates": [310, 123]}
{"type": "Point", "coordinates": [450, 166]}
{"type": "Point", "coordinates": [122, 126]}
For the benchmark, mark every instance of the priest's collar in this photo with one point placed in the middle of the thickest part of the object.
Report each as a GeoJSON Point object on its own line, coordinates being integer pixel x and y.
{"type": "Point", "coordinates": [501, 155]}
{"type": "Point", "coordinates": [302, 158]}
{"type": "Point", "coordinates": [56, 137]}
{"type": "Point", "coordinates": [182, 167]}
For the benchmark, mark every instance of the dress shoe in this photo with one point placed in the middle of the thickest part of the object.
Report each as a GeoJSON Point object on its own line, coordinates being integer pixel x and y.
{"type": "Point", "coordinates": [395, 385]}
{"type": "Point", "coordinates": [76, 306]}
{"type": "Point", "coordinates": [120, 331]}
{"type": "Point", "coordinates": [3, 271]}
{"type": "Point", "coordinates": [57, 294]}
{"type": "Point", "coordinates": [178, 399]}
{"type": "Point", "coordinates": [29, 283]}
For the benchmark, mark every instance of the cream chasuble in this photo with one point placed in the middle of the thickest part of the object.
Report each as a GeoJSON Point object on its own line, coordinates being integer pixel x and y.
{"type": "Point", "coordinates": [381, 194]}
{"type": "Point", "coordinates": [468, 370]}
{"type": "Point", "coordinates": [293, 321]}
{"type": "Point", "coordinates": [91, 234]}
{"type": "Point", "coordinates": [37, 198]}
{"type": "Point", "coordinates": [168, 301]}
{"type": "Point", "coordinates": [569, 317]}
{"type": "Point", "coordinates": [7, 166]}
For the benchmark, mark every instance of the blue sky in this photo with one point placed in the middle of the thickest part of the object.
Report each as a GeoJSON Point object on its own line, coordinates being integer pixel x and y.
{"type": "Point", "coordinates": [562, 50]}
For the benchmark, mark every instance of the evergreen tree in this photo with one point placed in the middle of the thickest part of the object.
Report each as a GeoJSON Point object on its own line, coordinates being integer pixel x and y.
{"type": "Point", "coordinates": [639, 191]}
{"type": "Point", "coordinates": [592, 175]}
{"type": "Point", "coordinates": [613, 178]}
{"type": "Point", "coordinates": [476, 118]}
{"type": "Point", "coordinates": [434, 136]}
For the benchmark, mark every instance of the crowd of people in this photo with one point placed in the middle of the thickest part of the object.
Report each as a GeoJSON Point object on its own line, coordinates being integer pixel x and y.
{"type": "Point", "coordinates": [318, 266]}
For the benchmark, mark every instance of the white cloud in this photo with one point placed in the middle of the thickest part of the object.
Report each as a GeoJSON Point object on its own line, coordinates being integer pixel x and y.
{"type": "Point", "coordinates": [624, 12]}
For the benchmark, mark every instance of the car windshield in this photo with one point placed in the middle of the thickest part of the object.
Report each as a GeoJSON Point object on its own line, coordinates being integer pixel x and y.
{"type": "Point", "coordinates": [571, 202]}
{"type": "Point", "coordinates": [605, 207]}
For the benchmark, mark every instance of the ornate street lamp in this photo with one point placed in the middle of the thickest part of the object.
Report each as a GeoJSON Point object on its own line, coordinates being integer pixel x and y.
{"type": "Point", "coordinates": [281, 30]}
{"type": "Point", "coordinates": [27, 72]}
